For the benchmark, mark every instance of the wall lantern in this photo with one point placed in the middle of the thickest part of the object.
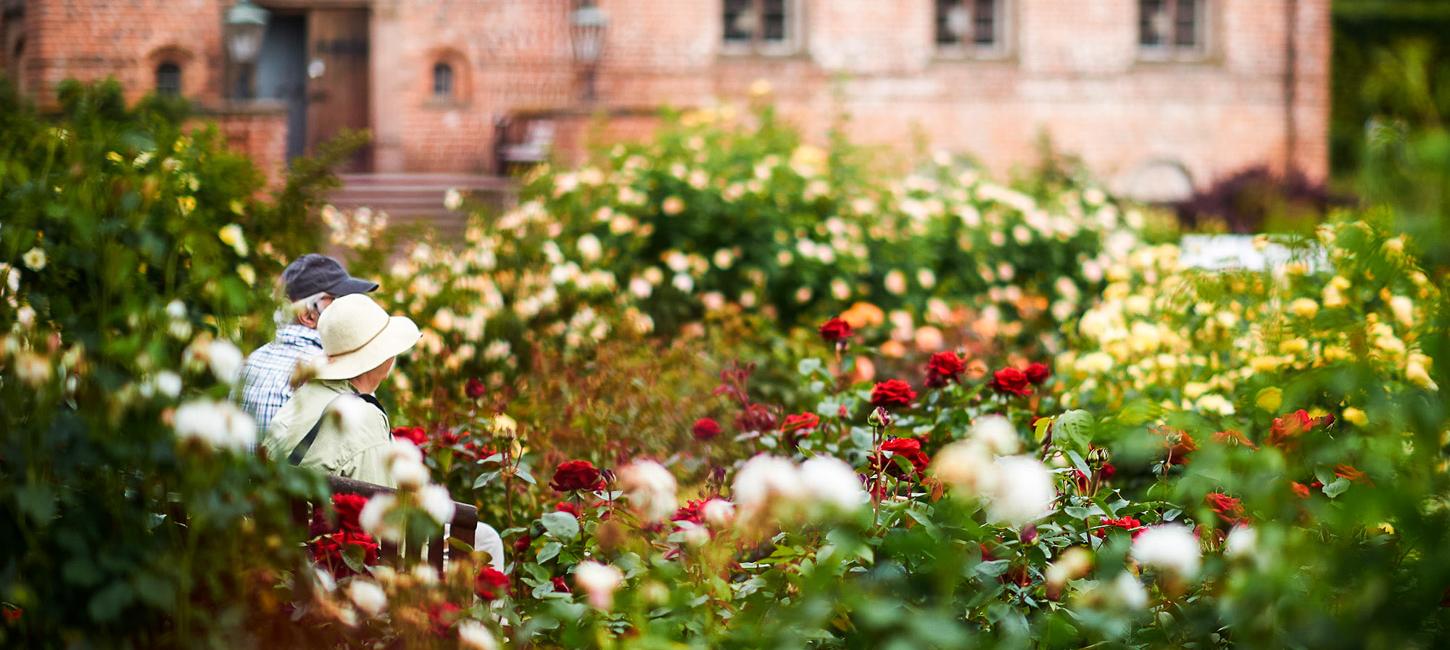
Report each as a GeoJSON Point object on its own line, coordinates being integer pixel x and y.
{"type": "Point", "coordinates": [245, 24]}
{"type": "Point", "coordinates": [586, 31]}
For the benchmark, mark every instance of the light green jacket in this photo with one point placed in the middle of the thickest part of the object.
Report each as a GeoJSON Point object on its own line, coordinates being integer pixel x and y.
{"type": "Point", "coordinates": [356, 449]}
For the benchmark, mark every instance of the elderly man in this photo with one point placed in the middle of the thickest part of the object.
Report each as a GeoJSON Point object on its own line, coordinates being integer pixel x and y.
{"type": "Point", "coordinates": [329, 424]}
{"type": "Point", "coordinates": [311, 283]}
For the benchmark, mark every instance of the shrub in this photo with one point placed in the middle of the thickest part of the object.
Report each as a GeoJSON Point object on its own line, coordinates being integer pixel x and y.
{"type": "Point", "coordinates": [139, 513]}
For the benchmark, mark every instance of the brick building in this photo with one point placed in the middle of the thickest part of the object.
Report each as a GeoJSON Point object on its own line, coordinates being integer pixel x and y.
{"type": "Point", "coordinates": [1155, 95]}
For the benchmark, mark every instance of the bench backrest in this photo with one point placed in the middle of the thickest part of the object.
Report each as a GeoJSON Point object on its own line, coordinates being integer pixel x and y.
{"type": "Point", "coordinates": [464, 527]}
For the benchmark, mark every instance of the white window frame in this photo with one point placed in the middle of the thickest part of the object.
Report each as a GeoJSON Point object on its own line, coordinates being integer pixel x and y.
{"type": "Point", "coordinates": [1001, 46]}
{"type": "Point", "coordinates": [790, 45]}
{"type": "Point", "coordinates": [1171, 52]}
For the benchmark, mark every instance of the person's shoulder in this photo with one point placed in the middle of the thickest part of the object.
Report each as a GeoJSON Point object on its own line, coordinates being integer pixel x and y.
{"type": "Point", "coordinates": [355, 412]}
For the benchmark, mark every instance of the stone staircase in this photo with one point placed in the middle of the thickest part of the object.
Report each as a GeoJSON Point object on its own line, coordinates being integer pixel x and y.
{"type": "Point", "coordinates": [417, 198]}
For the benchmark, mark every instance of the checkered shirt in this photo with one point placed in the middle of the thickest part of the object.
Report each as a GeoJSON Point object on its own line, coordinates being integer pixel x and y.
{"type": "Point", "coordinates": [267, 375]}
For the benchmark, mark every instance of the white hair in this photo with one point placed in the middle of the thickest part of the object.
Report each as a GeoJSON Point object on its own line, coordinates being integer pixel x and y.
{"type": "Point", "coordinates": [309, 305]}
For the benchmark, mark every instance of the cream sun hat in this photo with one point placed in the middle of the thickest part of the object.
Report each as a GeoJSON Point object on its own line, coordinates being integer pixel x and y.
{"type": "Point", "coordinates": [357, 336]}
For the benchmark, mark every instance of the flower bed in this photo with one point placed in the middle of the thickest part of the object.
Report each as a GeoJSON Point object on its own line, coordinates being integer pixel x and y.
{"type": "Point", "coordinates": [689, 444]}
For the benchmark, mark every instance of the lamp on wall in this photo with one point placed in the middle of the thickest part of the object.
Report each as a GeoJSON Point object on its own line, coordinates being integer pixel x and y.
{"type": "Point", "coordinates": [586, 31]}
{"type": "Point", "coordinates": [246, 24]}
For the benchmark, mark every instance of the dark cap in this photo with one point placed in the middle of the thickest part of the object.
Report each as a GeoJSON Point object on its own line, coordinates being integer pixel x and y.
{"type": "Point", "coordinates": [313, 273]}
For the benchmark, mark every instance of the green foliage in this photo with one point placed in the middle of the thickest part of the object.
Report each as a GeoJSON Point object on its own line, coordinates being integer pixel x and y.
{"type": "Point", "coordinates": [1391, 97]}
{"type": "Point", "coordinates": [125, 266]}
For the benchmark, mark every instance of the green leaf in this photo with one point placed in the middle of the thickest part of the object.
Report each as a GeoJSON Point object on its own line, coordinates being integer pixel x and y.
{"type": "Point", "coordinates": [484, 479]}
{"type": "Point", "coordinates": [561, 525]}
{"type": "Point", "coordinates": [1336, 487]}
{"type": "Point", "coordinates": [523, 473]}
{"type": "Point", "coordinates": [352, 556]}
{"type": "Point", "coordinates": [992, 568]}
{"type": "Point", "coordinates": [1078, 463]}
{"type": "Point", "coordinates": [548, 552]}
{"type": "Point", "coordinates": [1039, 430]}
{"type": "Point", "coordinates": [1073, 429]}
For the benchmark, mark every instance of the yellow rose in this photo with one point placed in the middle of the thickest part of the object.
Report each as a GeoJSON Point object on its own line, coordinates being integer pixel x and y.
{"type": "Point", "coordinates": [1293, 346]}
{"type": "Point", "coordinates": [1355, 416]}
{"type": "Point", "coordinates": [1270, 399]}
{"type": "Point", "coordinates": [1304, 308]}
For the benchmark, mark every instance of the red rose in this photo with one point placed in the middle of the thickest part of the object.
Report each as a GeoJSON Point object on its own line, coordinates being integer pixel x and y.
{"type": "Point", "coordinates": [1233, 439]}
{"type": "Point", "coordinates": [690, 512]}
{"type": "Point", "coordinates": [442, 616]}
{"type": "Point", "coordinates": [705, 429]}
{"type": "Point", "coordinates": [474, 388]}
{"type": "Point", "coordinates": [802, 422]}
{"type": "Point", "coordinates": [12, 614]}
{"type": "Point", "coordinates": [571, 508]}
{"type": "Point", "coordinates": [1129, 524]}
{"type": "Point", "coordinates": [522, 543]}
{"type": "Point", "coordinates": [1349, 473]}
{"type": "Point", "coordinates": [1011, 381]}
{"type": "Point", "coordinates": [755, 417]}
{"type": "Point", "coordinates": [1301, 490]}
{"type": "Point", "coordinates": [1038, 373]}
{"type": "Point", "coordinates": [348, 507]}
{"type": "Point", "coordinates": [477, 451]}
{"type": "Point", "coordinates": [561, 585]}
{"type": "Point", "coordinates": [490, 583]}
{"type": "Point", "coordinates": [892, 392]}
{"type": "Point", "coordinates": [835, 331]}
{"type": "Point", "coordinates": [908, 448]}
{"type": "Point", "coordinates": [943, 368]}
{"type": "Point", "coordinates": [1286, 429]}
{"type": "Point", "coordinates": [328, 551]}
{"type": "Point", "coordinates": [577, 475]}
{"type": "Point", "coordinates": [1229, 509]}
{"type": "Point", "coordinates": [415, 435]}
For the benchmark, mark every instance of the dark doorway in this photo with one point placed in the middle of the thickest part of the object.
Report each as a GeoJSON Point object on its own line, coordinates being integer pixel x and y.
{"type": "Point", "coordinates": [337, 71]}
{"type": "Point", "coordinates": [282, 74]}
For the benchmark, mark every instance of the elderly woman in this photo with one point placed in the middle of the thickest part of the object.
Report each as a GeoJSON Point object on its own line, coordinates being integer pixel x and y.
{"type": "Point", "coordinates": [333, 423]}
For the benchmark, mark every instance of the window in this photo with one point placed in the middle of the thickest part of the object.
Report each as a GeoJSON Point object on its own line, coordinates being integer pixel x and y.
{"type": "Point", "coordinates": [971, 27]}
{"type": "Point", "coordinates": [759, 25]}
{"type": "Point", "coordinates": [168, 79]}
{"type": "Point", "coordinates": [1172, 28]}
{"type": "Point", "coordinates": [442, 81]}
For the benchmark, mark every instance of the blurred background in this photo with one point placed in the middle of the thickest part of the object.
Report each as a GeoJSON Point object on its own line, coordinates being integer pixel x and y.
{"type": "Point", "coordinates": [1239, 114]}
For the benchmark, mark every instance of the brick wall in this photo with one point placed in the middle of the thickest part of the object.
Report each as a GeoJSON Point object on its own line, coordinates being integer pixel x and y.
{"type": "Point", "coordinates": [260, 129]}
{"type": "Point", "coordinates": [1072, 71]}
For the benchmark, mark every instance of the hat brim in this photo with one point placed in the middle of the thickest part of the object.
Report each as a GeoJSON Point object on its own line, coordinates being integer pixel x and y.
{"type": "Point", "coordinates": [400, 335]}
{"type": "Point", "coordinates": [350, 285]}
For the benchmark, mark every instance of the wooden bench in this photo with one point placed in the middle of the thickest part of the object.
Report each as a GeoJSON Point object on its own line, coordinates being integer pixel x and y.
{"type": "Point", "coordinates": [464, 527]}
{"type": "Point", "coordinates": [513, 149]}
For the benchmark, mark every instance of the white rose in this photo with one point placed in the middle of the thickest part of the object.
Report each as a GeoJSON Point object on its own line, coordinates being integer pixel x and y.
{"type": "Point", "coordinates": [368, 597]}
{"type": "Point", "coordinates": [1171, 547]}
{"type": "Point", "coordinates": [1023, 491]}
{"type": "Point", "coordinates": [599, 582]}
{"type": "Point", "coordinates": [372, 516]}
{"type": "Point", "coordinates": [437, 503]}
{"type": "Point", "coordinates": [831, 481]}
{"type": "Point", "coordinates": [225, 361]}
{"type": "Point", "coordinates": [1242, 543]}
{"type": "Point", "coordinates": [997, 434]}
{"type": "Point", "coordinates": [216, 425]}
{"type": "Point", "coordinates": [474, 636]}
{"type": "Point", "coordinates": [650, 489]}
